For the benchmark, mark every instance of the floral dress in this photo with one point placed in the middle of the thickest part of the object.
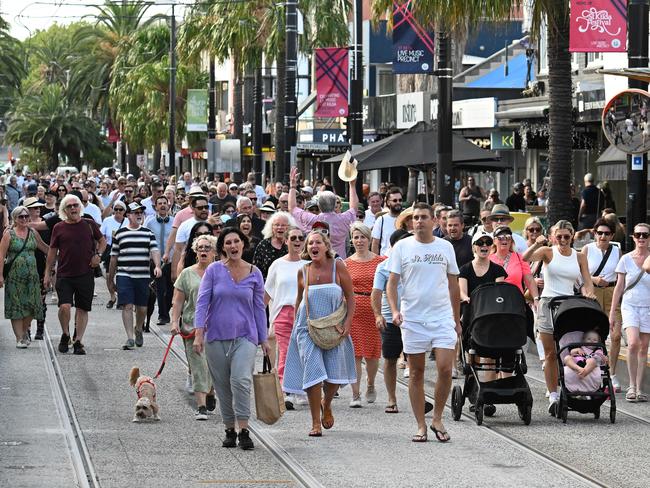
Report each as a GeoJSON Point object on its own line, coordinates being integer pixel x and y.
{"type": "Point", "coordinates": [22, 284]}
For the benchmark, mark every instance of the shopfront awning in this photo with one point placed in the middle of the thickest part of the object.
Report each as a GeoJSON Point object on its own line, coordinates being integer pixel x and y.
{"type": "Point", "coordinates": [533, 112]}
{"type": "Point", "coordinates": [641, 74]}
{"type": "Point", "coordinates": [514, 77]}
{"type": "Point", "coordinates": [612, 155]}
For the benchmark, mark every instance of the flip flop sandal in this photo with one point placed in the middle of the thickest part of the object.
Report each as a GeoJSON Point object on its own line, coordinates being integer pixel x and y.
{"type": "Point", "coordinates": [315, 433]}
{"type": "Point", "coordinates": [641, 397]}
{"type": "Point", "coordinates": [441, 435]}
{"type": "Point", "coordinates": [419, 438]}
{"type": "Point", "coordinates": [630, 396]}
{"type": "Point", "coordinates": [327, 421]}
{"type": "Point", "coordinates": [391, 409]}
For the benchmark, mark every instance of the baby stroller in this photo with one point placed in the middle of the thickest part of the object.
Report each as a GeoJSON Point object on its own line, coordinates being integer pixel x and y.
{"type": "Point", "coordinates": [496, 330]}
{"type": "Point", "coordinates": [572, 316]}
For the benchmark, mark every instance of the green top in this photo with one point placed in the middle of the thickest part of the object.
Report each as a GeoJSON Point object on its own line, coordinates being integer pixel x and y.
{"type": "Point", "coordinates": [188, 282]}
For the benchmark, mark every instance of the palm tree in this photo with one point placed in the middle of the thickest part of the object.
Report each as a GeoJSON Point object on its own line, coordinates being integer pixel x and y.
{"type": "Point", "coordinates": [45, 121]}
{"type": "Point", "coordinates": [456, 16]}
{"type": "Point", "coordinates": [12, 67]}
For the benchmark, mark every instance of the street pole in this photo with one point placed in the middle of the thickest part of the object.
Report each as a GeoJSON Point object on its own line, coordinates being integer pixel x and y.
{"type": "Point", "coordinates": [355, 106]}
{"type": "Point", "coordinates": [291, 47]}
{"type": "Point", "coordinates": [257, 126]}
{"type": "Point", "coordinates": [212, 120]}
{"type": "Point", "coordinates": [172, 96]}
{"type": "Point", "coordinates": [637, 55]}
{"type": "Point", "coordinates": [444, 169]}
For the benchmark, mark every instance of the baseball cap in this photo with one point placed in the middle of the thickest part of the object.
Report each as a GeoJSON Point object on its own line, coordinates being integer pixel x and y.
{"type": "Point", "coordinates": [134, 207]}
{"type": "Point", "coordinates": [321, 225]}
{"type": "Point", "coordinates": [480, 235]}
{"type": "Point", "coordinates": [505, 230]}
{"type": "Point", "coordinates": [233, 186]}
{"type": "Point", "coordinates": [311, 204]}
{"type": "Point", "coordinates": [308, 189]}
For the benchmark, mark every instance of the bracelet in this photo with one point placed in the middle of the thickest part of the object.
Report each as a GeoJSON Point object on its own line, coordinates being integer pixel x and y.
{"type": "Point", "coordinates": [536, 299]}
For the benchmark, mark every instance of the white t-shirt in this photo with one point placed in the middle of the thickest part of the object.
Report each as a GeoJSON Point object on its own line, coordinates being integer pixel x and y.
{"type": "Point", "coordinates": [149, 210]}
{"type": "Point", "coordinates": [383, 229]}
{"type": "Point", "coordinates": [423, 270]}
{"type": "Point", "coordinates": [637, 296]}
{"type": "Point", "coordinates": [110, 226]}
{"type": "Point", "coordinates": [369, 219]}
{"type": "Point", "coordinates": [183, 233]}
{"type": "Point", "coordinates": [282, 284]}
{"type": "Point", "coordinates": [520, 243]}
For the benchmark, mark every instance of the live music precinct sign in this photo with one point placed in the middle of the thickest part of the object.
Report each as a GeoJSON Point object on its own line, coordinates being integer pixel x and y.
{"type": "Point", "coordinates": [598, 26]}
{"type": "Point", "coordinates": [331, 82]}
{"type": "Point", "coordinates": [413, 46]}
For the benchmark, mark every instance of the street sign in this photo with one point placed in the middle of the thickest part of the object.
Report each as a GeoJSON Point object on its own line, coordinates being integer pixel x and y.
{"type": "Point", "coordinates": [625, 121]}
{"type": "Point", "coordinates": [637, 162]}
{"type": "Point", "coordinates": [502, 140]}
{"type": "Point", "coordinates": [229, 156]}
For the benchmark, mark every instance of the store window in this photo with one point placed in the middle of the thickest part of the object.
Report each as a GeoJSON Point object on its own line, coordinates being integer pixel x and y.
{"type": "Point", "coordinates": [385, 82]}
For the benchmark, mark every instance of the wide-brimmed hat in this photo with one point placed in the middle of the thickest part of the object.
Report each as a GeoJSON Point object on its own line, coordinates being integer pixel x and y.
{"type": "Point", "coordinates": [32, 202]}
{"type": "Point", "coordinates": [195, 191]}
{"type": "Point", "coordinates": [348, 168]}
{"type": "Point", "coordinates": [500, 210]}
{"type": "Point", "coordinates": [401, 219]}
{"type": "Point", "coordinates": [268, 207]}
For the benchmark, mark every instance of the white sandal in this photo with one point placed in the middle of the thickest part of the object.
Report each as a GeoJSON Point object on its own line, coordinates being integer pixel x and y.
{"type": "Point", "coordinates": [631, 396]}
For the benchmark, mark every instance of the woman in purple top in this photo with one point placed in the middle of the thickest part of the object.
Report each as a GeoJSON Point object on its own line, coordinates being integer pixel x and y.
{"type": "Point", "coordinates": [230, 322]}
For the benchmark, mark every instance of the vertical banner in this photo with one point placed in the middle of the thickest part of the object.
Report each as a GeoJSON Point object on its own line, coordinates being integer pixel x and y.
{"type": "Point", "coordinates": [197, 110]}
{"type": "Point", "coordinates": [332, 82]}
{"type": "Point", "coordinates": [598, 26]}
{"type": "Point", "coordinates": [413, 46]}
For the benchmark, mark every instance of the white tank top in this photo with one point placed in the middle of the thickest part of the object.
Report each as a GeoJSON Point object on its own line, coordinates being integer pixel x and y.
{"type": "Point", "coordinates": [560, 274]}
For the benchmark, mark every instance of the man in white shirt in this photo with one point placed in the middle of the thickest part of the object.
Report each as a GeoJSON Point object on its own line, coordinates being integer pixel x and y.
{"type": "Point", "coordinates": [259, 190]}
{"type": "Point", "coordinates": [200, 211]}
{"type": "Point", "coordinates": [374, 207]}
{"type": "Point", "coordinates": [149, 202]}
{"type": "Point", "coordinates": [90, 208]}
{"type": "Point", "coordinates": [428, 312]}
{"type": "Point", "coordinates": [385, 225]}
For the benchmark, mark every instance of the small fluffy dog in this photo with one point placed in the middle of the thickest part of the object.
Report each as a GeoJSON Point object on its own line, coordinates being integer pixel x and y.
{"type": "Point", "coordinates": [146, 407]}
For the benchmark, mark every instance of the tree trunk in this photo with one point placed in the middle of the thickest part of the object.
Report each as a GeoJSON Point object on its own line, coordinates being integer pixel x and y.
{"type": "Point", "coordinates": [280, 108]}
{"type": "Point", "coordinates": [238, 108]}
{"type": "Point", "coordinates": [156, 157]}
{"type": "Point", "coordinates": [560, 114]}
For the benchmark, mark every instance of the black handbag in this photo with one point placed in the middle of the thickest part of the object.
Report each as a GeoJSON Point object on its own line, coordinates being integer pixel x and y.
{"type": "Point", "coordinates": [8, 264]}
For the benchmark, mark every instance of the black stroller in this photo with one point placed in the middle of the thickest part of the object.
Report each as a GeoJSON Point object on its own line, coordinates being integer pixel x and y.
{"type": "Point", "coordinates": [573, 316]}
{"type": "Point", "coordinates": [495, 329]}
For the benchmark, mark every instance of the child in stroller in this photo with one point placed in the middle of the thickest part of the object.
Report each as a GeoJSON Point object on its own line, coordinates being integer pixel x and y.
{"type": "Point", "coordinates": [582, 365]}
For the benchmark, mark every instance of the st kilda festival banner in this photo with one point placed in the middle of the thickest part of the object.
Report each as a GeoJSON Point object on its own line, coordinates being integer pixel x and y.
{"type": "Point", "coordinates": [413, 46]}
{"type": "Point", "coordinates": [331, 82]}
{"type": "Point", "coordinates": [598, 26]}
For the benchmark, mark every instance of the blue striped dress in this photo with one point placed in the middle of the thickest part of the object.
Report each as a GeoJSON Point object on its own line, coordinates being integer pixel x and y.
{"type": "Point", "coordinates": [307, 364]}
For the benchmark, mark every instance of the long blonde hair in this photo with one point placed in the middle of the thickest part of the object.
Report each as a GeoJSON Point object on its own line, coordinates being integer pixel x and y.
{"type": "Point", "coordinates": [326, 240]}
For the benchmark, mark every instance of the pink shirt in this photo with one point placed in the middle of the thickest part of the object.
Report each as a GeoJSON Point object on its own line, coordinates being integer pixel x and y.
{"type": "Point", "coordinates": [517, 268]}
{"type": "Point", "coordinates": [339, 225]}
{"type": "Point", "coordinates": [182, 215]}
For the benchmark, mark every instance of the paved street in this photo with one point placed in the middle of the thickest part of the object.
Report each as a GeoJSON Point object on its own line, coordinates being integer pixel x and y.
{"type": "Point", "coordinates": [366, 447]}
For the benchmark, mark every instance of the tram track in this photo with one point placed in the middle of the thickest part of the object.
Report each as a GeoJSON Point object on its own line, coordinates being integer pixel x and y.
{"type": "Point", "coordinates": [533, 451]}
{"type": "Point", "coordinates": [82, 462]}
{"type": "Point", "coordinates": [297, 471]}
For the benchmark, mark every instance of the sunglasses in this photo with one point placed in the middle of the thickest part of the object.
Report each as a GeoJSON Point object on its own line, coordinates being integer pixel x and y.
{"type": "Point", "coordinates": [205, 248]}
{"type": "Point", "coordinates": [535, 230]}
{"type": "Point", "coordinates": [217, 226]}
{"type": "Point", "coordinates": [483, 242]}
{"type": "Point", "coordinates": [641, 235]}
{"type": "Point", "coordinates": [506, 237]}
{"type": "Point", "coordinates": [254, 199]}
{"type": "Point", "coordinates": [322, 231]}
{"type": "Point", "coordinates": [603, 233]}
{"type": "Point", "coordinates": [72, 205]}
{"type": "Point", "coordinates": [201, 207]}
{"type": "Point", "coordinates": [230, 211]}
{"type": "Point", "coordinates": [501, 219]}
{"type": "Point", "coordinates": [137, 213]}
{"type": "Point", "coordinates": [296, 238]}
{"type": "Point", "coordinates": [128, 191]}
{"type": "Point", "coordinates": [23, 216]}
{"type": "Point", "coordinates": [563, 237]}
{"type": "Point", "coordinates": [201, 234]}
{"type": "Point", "coordinates": [62, 189]}
{"type": "Point", "coordinates": [118, 209]}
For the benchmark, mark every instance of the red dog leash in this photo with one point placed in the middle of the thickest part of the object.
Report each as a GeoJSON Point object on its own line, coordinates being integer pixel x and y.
{"type": "Point", "coordinates": [169, 346]}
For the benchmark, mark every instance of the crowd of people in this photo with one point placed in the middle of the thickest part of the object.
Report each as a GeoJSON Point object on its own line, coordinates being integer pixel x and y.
{"type": "Point", "coordinates": [325, 291]}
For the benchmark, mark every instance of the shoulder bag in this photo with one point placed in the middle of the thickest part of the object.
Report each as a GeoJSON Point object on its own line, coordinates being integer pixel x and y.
{"type": "Point", "coordinates": [8, 264]}
{"type": "Point", "coordinates": [323, 330]}
{"type": "Point", "coordinates": [634, 282]}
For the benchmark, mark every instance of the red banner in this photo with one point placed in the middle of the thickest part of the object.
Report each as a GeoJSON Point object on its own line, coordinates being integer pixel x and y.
{"type": "Point", "coordinates": [332, 82]}
{"type": "Point", "coordinates": [598, 26]}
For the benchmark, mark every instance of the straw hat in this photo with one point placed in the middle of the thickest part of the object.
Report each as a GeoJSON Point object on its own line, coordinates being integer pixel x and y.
{"type": "Point", "coordinates": [400, 223]}
{"type": "Point", "coordinates": [500, 210]}
{"type": "Point", "coordinates": [348, 168]}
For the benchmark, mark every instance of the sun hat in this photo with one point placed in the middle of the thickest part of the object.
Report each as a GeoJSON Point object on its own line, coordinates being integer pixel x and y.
{"type": "Point", "coordinates": [500, 210]}
{"type": "Point", "coordinates": [348, 168]}
{"type": "Point", "coordinates": [268, 207]}
{"type": "Point", "coordinates": [32, 202]}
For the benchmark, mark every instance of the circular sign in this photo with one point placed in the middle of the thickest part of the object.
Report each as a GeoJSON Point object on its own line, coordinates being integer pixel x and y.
{"type": "Point", "coordinates": [625, 121]}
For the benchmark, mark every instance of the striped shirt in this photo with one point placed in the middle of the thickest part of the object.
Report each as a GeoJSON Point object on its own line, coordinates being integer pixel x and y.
{"type": "Point", "coordinates": [133, 248]}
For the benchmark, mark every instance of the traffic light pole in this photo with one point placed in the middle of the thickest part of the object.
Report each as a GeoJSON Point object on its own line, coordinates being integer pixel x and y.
{"type": "Point", "coordinates": [444, 169]}
{"type": "Point", "coordinates": [291, 45]}
{"type": "Point", "coordinates": [355, 106]}
{"type": "Point", "coordinates": [172, 97]}
{"type": "Point", "coordinates": [637, 55]}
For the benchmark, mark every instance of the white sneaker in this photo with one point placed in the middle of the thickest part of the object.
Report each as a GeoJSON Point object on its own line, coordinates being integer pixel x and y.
{"type": "Point", "coordinates": [356, 402]}
{"type": "Point", "coordinates": [300, 400]}
{"type": "Point", "coordinates": [54, 300]}
{"type": "Point", "coordinates": [407, 372]}
{"type": "Point", "coordinates": [21, 344]}
{"type": "Point", "coordinates": [616, 384]}
{"type": "Point", "coordinates": [548, 394]}
{"type": "Point", "coordinates": [189, 387]}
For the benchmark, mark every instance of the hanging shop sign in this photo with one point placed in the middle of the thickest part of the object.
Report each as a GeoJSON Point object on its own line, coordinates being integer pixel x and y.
{"type": "Point", "coordinates": [413, 46]}
{"type": "Point", "coordinates": [197, 110]}
{"type": "Point", "coordinates": [413, 108]}
{"type": "Point", "coordinates": [331, 82]}
{"type": "Point", "coordinates": [625, 121]}
{"type": "Point", "coordinates": [502, 140]}
{"type": "Point", "coordinates": [598, 26]}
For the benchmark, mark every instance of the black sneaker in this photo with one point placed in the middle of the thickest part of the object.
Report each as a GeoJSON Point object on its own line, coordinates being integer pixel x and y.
{"type": "Point", "coordinates": [231, 438]}
{"type": "Point", "coordinates": [201, 413]}
{"type": "Point", "coordinates": [64, 344]}
{"type": "Point", "coordinates": [40, 330]}
{"type": "Point", "coordinates": [210, 402]}
{"type": "Point", "coordinates": [245, 441]}
{"type": "Point", "coordinates": [78, 349]}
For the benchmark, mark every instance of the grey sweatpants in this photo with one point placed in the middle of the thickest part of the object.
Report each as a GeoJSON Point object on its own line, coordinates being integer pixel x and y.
{"type": "Point", "coordinates": [231, 365]}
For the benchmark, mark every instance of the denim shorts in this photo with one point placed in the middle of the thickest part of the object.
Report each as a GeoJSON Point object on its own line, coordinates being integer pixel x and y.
{"type": "Point", "coordinates": [132, 291]}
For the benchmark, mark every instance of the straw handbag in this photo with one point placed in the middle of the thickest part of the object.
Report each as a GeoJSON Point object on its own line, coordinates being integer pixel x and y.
{"type": "Point", "coordinates": [323, 330]}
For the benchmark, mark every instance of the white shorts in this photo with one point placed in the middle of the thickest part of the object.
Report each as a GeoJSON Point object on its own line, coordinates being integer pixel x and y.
{"type": "Point", "coordinates": [638, 317]}
{"type": "Point", "coordinates": [419, 337]}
